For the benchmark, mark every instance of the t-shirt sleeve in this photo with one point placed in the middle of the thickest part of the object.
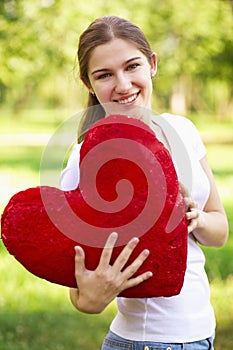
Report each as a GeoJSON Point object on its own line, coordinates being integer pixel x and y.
{"type": "Point", "coordinates": [188, 133]}
{"type": "Point", "coordinates": [70, 176]}
{"type": "Point", "coordinates": [197, 143]}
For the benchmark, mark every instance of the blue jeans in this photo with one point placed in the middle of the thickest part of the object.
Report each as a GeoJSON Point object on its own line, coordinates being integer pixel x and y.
{"type": "Point", "coordinates": [114, 342]}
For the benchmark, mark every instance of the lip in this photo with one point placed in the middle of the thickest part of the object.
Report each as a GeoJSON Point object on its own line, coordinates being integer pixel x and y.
{"type": "Point", "coordinates": [129, 99]}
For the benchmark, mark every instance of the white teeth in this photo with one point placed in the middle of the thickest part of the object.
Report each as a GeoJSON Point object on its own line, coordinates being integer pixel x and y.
{"type": "Point", "coordinates": [128, 100]}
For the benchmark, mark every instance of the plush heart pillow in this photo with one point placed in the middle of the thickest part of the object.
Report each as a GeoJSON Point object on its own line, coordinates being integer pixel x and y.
{"type": "Point", "coordinates": [128, 184]}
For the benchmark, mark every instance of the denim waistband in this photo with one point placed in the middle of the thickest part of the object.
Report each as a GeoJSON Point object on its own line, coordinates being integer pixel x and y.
{"type": "Point", "coordinates": [114, 342]}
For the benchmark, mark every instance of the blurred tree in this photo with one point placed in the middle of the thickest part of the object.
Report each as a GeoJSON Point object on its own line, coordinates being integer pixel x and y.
{"type": "Point", "coordinates": [193, 40]}
{"type": "Point", "coordinates": [35, 47]}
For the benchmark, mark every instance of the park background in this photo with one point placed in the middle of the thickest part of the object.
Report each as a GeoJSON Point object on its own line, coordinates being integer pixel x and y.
{"type": "Point", "coordinates": [40, 88]}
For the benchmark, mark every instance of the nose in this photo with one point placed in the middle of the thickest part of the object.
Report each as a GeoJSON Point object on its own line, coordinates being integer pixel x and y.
{"type": "Point", "coordinates": [122, 84]}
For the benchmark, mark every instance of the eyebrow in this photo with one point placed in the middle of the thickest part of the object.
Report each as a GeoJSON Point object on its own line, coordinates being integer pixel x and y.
{"type": "Point", "coordinates": [107, 69]}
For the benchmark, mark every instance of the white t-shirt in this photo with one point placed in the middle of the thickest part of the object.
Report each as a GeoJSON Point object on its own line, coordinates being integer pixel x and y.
{"type": "Point", "coordinates": [189, 316]}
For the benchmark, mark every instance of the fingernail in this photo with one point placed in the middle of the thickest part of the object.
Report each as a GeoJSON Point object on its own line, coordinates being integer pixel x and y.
{"type": "Point", "coordinates": [146, 252]}
{"type": "Point", "coordinates": [114, 235]}
{"type": "Point", "coordinates": [134, 240]}
{"type": "Point", "coordinates": [77, 249]}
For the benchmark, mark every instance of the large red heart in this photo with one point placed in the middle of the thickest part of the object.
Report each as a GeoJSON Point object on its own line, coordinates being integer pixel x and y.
{"type": "Point", "coordinates": [128, 184]}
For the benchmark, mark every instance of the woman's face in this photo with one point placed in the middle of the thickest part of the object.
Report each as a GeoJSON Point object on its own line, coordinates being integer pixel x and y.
{"type": "Point", "coordinates": [121, 76]}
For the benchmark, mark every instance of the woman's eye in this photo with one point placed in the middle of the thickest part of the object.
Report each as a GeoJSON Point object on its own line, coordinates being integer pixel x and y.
{"type": "Point", "coordinates": [104, 76]}
{"type": "Point", "coordinates": [133, 66]}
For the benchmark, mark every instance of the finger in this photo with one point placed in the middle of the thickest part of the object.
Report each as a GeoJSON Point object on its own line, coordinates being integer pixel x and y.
{"type": "Point", "coordinates": [192, 225]}
{"type": "Point", "coordinates": [107, 251]}
{"type": "Point", "coordinates": [125, 254]}
{"type": "Point", "coordinates": [183, 190]}
{"type": "Point", "coordinates": [193, 214]}
{"type": "Point", "coordinates": [190, 203]}
{"type": "Point", "coordinates": [79, 261]}
{"type": "Point", "coordinates": [137, 280]}
{"type": "Point", "coordinates": [132, 268]}
{"type": "Point", "coordinates": [194, 205]}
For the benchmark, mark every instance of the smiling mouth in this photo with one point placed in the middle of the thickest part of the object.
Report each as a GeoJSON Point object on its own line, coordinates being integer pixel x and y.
{"type": "Point", "coordinates": [130, 99]}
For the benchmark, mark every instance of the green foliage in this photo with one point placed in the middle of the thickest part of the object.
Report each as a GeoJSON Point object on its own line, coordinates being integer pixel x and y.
{"type": "Point", "coordinates": [193, 40]}
{"type": "Point", "coordinates": [31, 51]}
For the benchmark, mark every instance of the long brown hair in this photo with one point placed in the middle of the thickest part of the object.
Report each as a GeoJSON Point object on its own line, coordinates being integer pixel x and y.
{"type": "Point", "coordinates": [100, 32]}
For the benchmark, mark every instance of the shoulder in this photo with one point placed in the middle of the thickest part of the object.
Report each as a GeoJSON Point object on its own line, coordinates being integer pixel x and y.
{"type": "Point", "coordinates": [182, 126]}
{"type": "Point", "coordinates": [187, 132]}
{"type": "Point", "coordinates": [179, 122]}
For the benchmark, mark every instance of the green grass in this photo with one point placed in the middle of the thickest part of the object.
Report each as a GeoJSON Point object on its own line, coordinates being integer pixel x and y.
{"type": "Point", "coordinates": [212, 131]}
{"type": "Point", "coordinates": [36, 314]}
{"type": "Point", "coordinates": [219, 261]}
{"type": "Point", "coordinates": [221, 297]}
{"type": "Point", "coordinates": [31, 121]}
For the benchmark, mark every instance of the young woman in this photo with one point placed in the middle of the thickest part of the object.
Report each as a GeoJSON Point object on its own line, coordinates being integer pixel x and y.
{"type": "Point", "coordinates": [117, 66]}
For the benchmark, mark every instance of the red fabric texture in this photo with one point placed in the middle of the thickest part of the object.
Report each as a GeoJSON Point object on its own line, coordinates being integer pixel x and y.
{"type": "Point", "coordinates": [39, 224]}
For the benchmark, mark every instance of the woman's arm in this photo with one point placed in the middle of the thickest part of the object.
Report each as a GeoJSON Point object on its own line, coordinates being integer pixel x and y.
{"type": "Point", "coordinates": [209, 226]}
{"type": "Point", "coordinates": [96, 289]}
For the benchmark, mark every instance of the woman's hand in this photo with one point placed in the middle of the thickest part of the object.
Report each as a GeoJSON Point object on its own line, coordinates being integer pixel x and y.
{"type": "Point", "coordinates": [192, 212]}
{"type": "Point", "coordinates": [209, 226]}
{"type": "Point", "coordinates": [96, 289]}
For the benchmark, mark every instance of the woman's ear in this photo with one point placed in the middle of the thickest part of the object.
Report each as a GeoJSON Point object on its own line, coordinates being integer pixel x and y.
{"type": "Point", "coordinates": [88, 85]}
{"type": "Point", "coordinates": [153, 64]}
